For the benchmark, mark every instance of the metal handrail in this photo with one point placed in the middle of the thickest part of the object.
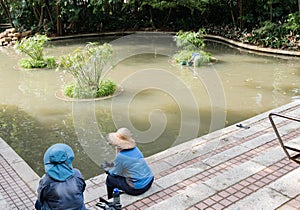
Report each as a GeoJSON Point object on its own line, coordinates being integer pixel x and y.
{"type": "Point", "coordinates": [285, 148]}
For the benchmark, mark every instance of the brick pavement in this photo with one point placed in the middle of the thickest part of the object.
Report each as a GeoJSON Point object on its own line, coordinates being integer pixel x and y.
{"type": "Point", "coordinates": [233, 168]}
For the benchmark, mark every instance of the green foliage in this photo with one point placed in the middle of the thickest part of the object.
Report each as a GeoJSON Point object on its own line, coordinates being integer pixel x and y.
{"type": "Point", "coordinates": [190, 40]}
{"type": "Point", "coordinates": [191, 48]}
{"type": "Point", "coordinates": [51, 62]}
{"type": "Point", "coordinates": [86, 65]}
{"type": "Point", "coordinates": [106, 88]}
{"type": "Point", "coordinates": [69, 90]}
{"type": "Point", "coordinates": [33, 47]}
{"type": "Point", "coordinates": [275, 35]}
{"type": "Point", "coordinates": [182, 56]}
{"type": "Point", "coordinates": [293, 22]}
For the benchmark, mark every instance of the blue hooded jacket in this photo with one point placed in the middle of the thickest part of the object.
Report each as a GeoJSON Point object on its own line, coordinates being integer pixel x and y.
{"type": "Point", "coordinates": [62, 187]}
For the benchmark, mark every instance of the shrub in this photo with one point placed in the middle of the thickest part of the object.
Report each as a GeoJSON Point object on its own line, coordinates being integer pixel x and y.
{"type": "Point", "coordinates": [86, 65]}
{"type": "Point", "coordinates": [33, 47]}
{"type": "Point", "coordinates": [105, 88]}
{"type": "Point", "coordinates": [191, 45]}
{"type": "Point", "coordinates": [293, 22]}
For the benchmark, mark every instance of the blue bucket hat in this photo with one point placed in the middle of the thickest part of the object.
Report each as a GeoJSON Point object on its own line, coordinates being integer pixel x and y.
{"type": "Point", "coordinates": [58, 162]}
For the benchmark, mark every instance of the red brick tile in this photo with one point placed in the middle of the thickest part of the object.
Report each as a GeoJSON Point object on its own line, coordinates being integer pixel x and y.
{"type": "Point", "coordinates": [225, 202]}
{"type": "Point", "coordinates": [265, 180]}
{"type": "Point", "coordinates": [161, 194]}
{"type": "Point", "coordinates": [232, 198]}
{"type": "Point", "coordinates": [247, 191]}
{"type": "Point", "coordinates": [238, 187]}
{"type": "Point", "coordinates": [216, 197]}
{"type": "Point", "coordinates": [244, 183]}
{"type": "Point", "coordinates": [205, 173]}
{"type": "Point", "coordinates": [272, 177]}
{"type": "Point", "coordinates": [194, 179]}
{"type": "Point", "coordinates": [286, 207]}
{"type": "Point", "coordinates": [298, 198]}
{"type": "Point", "coordinates": [240, 195]}
{"type": "Point", "coordinates": [260, 184]}
{"type": "Point", "coordinates": [168, 191]}
{"type": "Point", "coordinates": [295, 203]}
{"type": "Point", "coordinates": [193, 208]}
{"type": "Point", "coordinates": [201, 205]}
{"type": "Point", "coordinates": [209, 201]}
{"type": "Point", "coordinates": [154, 197]}
{"type": "Point", "coordinates": [278, 173]}
{"type": "Point", "coordinates": [224, 194]}
{"type": "Point", "coordinates": [210, 208]}
{"type": "Point", "coordinates": [139, 204]}
{"type": "Point", "coordinates": [231, 190]}
{"type": "Point", "coordinates": [265, 172]}
{"type": "Point", "coordinates": [257, 176]}
{"type": "Point", "coordinates": [187, 182]}
{"type": "Point", "coordinates": [174, 188]}
{"type": "Point", "coordinates": [217, 206]}
{"type": "Point", "coordinates": [251, 180]}
{"type": "Point", "coordinates": [253, 187]}
{"type": "Point", "coordinates": [200, 176]}
{"type": "Point", "coordinates": [131, 207]}
{"type": "Point", "coordinates": [159, 200]}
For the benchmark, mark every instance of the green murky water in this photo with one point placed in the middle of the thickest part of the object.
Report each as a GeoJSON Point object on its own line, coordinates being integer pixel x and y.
{"type": "Point", "coordinates": [163, 103]}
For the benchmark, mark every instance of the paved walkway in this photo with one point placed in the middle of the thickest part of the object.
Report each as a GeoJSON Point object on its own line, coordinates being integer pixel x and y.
{"type": "Point", "coordinates": [233, 168]}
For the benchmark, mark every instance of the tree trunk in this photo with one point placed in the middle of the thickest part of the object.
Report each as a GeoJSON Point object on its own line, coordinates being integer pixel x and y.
{"type": "Point", "coordinates": [106, 7]}
{"type": "Point", "coordinates": [232, 13]}
{"type": "Point", "coordinates": [299, 5]}
{"type": "Point", "coordinates": [41, 18]}
{"type": "Point", "coordinates": [169, 14]}
{"type": "Point", "coordinates": [59, 30]}
{"type": "Point", "coordinates": [241, 13]}
{"type": "Point", "coordinates": [151, 17]}
{"type": "Point", "coordinates": [6, 10]}
{"type": "Point", "coordinates": [271, 10]}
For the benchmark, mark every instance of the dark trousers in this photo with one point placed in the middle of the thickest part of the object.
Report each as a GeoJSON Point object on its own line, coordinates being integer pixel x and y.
{"type": "Point", "coordinates": [120, 183]}
{"type": "Point", "coordinates": [38, 205]}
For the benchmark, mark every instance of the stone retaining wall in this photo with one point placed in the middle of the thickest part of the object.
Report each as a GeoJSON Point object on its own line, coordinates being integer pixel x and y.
{"type": "Point", "coordinates": [10, 36]}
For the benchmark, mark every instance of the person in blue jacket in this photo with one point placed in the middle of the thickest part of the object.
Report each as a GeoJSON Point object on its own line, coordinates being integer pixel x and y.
{"type": "Point", "coordinates": [62, 186]}
{"type": "Point", "coordinates": [130, 172]}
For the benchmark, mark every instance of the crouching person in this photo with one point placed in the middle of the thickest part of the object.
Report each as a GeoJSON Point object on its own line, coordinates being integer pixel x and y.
{"type": "Point", "coordinates": [62, 186]}
{"type": "Point", "coordinates": [130, 171]}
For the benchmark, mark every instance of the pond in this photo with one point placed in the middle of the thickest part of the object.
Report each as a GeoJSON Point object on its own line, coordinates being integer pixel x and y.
{"type": "Point", "coordinates": [164, 104]}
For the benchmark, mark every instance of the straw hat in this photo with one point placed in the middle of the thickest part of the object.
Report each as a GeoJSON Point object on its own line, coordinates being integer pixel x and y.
{"type": "Point", "coordinates": [122, 139]}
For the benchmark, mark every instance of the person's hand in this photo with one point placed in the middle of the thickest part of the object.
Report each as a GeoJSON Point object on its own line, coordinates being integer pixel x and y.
{"type": "Point", "coordinates": [106, 166]}
{"type": "Point", "coordinates": [118, 149]}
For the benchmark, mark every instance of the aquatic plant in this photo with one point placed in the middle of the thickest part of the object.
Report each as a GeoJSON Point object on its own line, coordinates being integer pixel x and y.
{"type": "Point", "coordinates": [86, 64]}
{"type": "Point", "coordinates": [33, 47]}
{"type": "Point", "coordinates": [191, 48]}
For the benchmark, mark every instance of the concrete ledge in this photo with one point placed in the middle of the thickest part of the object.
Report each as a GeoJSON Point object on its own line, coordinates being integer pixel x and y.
{"type": "Point", "coordinates": [253, 47]}
{"type": "Point", "coordinates": [210, 37]}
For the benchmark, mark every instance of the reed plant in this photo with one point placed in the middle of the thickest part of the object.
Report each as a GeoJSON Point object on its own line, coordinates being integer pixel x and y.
{"type": "Point", "coordinates": [33, 48]}
{"type": "Point", "coordinates": [86, 65]}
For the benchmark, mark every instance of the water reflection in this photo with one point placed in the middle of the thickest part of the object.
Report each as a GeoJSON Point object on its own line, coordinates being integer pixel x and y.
{"type": "Point", "coordinates": [32, 118]}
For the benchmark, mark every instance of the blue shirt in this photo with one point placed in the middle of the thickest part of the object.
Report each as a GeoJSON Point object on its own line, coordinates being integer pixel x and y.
{"type": "Point", "coordinates": [131, 164]}
{"type": "Point", "coordinates": [62, 195]}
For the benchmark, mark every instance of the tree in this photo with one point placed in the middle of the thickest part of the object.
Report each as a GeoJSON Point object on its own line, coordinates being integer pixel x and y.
{"type": "Point", "coordinates": [5, 7]}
